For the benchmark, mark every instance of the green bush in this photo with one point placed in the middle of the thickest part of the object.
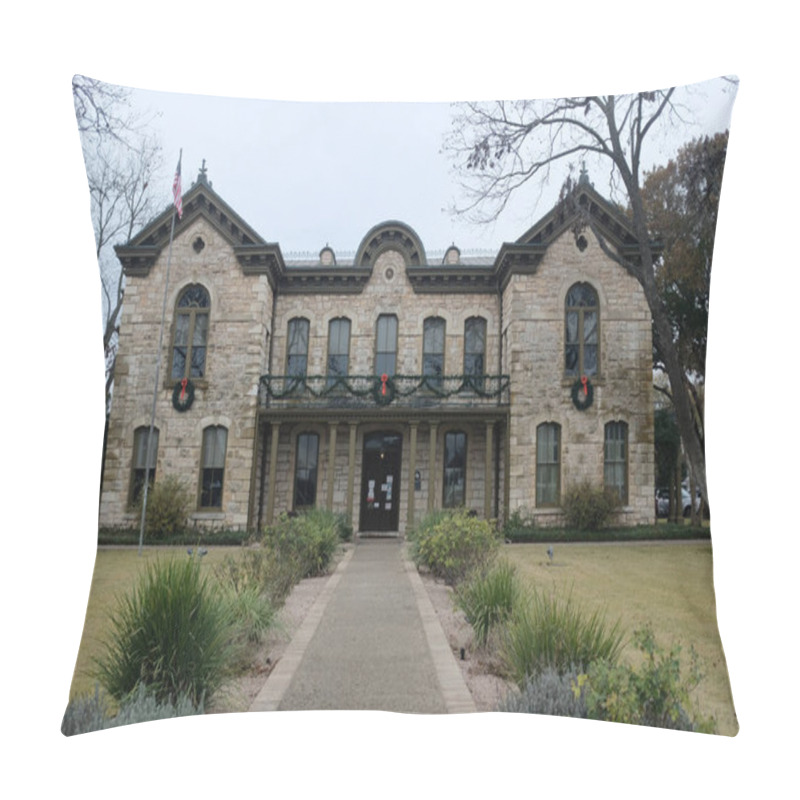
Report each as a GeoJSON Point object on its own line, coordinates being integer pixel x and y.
{"type": "Point", "coordinates": [589, 508]}
{"type": "Point", "coordinates": [259, 569]}
{"type": "Point", "coordinates": [656, 694]}
{"type": "Point", "coordinates": [92, 713]}
{"type": "Point", "coordinates": [520, 526]}
{"type": "Point", "coordinates": [488, 599]}
{"type": "Point", "coordinates": [550, 632]}
{"type": "Point", "coordinates": [169, 503]}
{"type": "Point", "coordinates": [306, 542]}
{"type": "Point", "coordinates": [548, 693]}
{"type": "Point", "coordinates": [173, 633]}
{"type": "Point", "coordinates": [452, 544]}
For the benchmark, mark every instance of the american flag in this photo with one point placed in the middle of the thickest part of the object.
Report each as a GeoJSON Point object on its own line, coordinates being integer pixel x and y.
{"type": "Point", "coordinates": [176, 189]}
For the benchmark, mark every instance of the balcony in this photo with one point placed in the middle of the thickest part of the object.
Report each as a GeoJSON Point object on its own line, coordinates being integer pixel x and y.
{"type": "Point", "coordinates": [376, 391]}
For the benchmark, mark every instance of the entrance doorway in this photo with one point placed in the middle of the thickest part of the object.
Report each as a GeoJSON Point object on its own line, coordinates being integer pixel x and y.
{"type": "Point", "coordinates": [380, 482]}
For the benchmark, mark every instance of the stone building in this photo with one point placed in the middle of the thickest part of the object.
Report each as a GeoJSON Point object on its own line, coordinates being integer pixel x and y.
{"type": "Point", "coordinates": [382, 386]}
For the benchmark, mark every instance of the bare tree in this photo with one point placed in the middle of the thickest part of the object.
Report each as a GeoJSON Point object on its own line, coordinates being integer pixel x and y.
{"type": "Point", "coordinates": [499, 147]}
{"type": "Point", "coordinates": [121, 159]}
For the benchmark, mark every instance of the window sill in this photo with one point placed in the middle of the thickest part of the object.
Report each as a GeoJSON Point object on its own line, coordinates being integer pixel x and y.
{"type": "Point", "coordinates": [207, 516]}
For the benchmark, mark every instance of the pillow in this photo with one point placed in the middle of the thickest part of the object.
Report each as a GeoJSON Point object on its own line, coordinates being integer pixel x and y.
{"type": "Point", "coordinates": [327, 397]}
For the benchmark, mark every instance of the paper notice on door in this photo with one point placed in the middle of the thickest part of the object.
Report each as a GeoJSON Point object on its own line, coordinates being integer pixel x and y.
{"type": "Point", "coordinates": [390, 479]}
{"type": "Point", "coordinates": [388, 506]}
{"type": "Point", "coordinates": [371, 491]}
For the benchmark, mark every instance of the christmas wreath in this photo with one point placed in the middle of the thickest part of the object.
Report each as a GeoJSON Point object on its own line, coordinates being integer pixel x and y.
{"type": "Point", "coordinates": [383, 390]}
{"type": "Point", "coordinates": [582, 393]}
{"type": "Point", "coordinates": [183, 395]}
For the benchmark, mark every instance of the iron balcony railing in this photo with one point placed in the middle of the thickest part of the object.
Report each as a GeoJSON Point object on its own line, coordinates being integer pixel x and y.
{"type": "Point", "coordinates": [365, 391]}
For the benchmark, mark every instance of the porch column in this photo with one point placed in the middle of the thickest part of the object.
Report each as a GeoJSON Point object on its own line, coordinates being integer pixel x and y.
{"type": "Point", "coordinates": [273, 468]}
{"type": "Point", "coordinates": [351, 470]}
{"type": "Point", "coordinates": [331, 461]}
{"type": "Point", "coordinates": [506, 469]}
{"type": "Point", "coordinates": [412, 468]}
{"type": "Point", "coordinates": [488, 463]}
{"type": "Point", "coordinates": [434, 426]}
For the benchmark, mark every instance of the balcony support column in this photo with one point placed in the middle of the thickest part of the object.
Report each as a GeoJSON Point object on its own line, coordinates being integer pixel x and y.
{"type": "Point", "coordinates": [273, 468]}
{"type": "Point", "coordinates": [434, 426]}
{"type": "Point", "coordinates": [331, 462]}
{"type": "Point", "coordinates": [351, 470]}
{"type": "Point", "coordinates": [488, 461]}
{"type": "Point", "coordinates": [412, 468]}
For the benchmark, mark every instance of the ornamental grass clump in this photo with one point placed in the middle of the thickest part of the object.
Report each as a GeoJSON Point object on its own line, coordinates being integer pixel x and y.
{"type": "Point", "coordinates": [174, 633]}
{"type": "Point", "coordinates": [454, 544]}
{"type": "Point", "coordinates": [552, 632]}
{"type": "Point", "coordinates": [489, 598]}
{"type": "Point", "coordinates": [305, 543]}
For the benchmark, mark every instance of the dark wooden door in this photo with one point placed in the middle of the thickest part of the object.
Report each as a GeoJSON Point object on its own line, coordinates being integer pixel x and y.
{"type": "Point", "coordinates": [380, 482]}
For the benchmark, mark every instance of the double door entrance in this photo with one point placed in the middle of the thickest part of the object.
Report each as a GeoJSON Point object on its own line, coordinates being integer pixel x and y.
{"type": "Point", "coordinates": [380, 482]}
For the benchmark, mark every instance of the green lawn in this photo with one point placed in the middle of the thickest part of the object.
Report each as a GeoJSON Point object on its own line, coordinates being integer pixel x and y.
{"type": "Point", "coordinates": [115, 574]}
{"type": "Point", "coordinates": [667, 584]}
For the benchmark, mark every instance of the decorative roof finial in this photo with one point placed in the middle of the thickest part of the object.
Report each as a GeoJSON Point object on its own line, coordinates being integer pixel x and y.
{"type": "Point", "coordinates": [203, 174]}
{"type": "Point", "coordinates": [583, 179]}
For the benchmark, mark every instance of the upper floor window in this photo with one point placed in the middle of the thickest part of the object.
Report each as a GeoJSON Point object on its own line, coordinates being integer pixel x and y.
{"type": "Point", "coordinates": [616, 459]}
{"type": "Point", "coordinates": [212, 473]}
{"type": "Point", "coordinates": [297, 348]}
{"type": "Point", "coordinates": [455, 469]}
{"type": "Point", "coordinates": [191, 333]}
{"type": "Point", "coordinates": [140, 461]}
{"type": "Point", "coordinates": [305, 470]}
{"type": "Point", "coordinates": [386, 345]}
{"type": "Point", "coordinates": [548, 464]}
{"type": "Point", "coordinates": [338, 348]}
{"type": "Point", "coordinates": [433, 350]}
{"type": "Point", "coordinates": [582, 331]}
{"type": "Point", "coordinates": [475, 351]}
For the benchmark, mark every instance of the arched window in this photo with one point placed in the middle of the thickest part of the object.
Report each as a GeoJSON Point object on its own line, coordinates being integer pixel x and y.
{"type": "Point", "coordinates": [548, 464]}
{"type": "Point", "coordinates": [582, 331]}
{"type": "Point", "coordinates": [455, 469]}
{"type": "Point", "coordinates": [433, 350]}
{"type": "Point", "coordinates": [475, 352]}
{"type": "Point", "coordinates": [297, 347]}
{"type": "Point", "coordinates": [338, 348]}
{"type": "Point", "coordinates": [386, 345]}
{"type": "Point", "coordinates": [305, 470]}
{"type": "Point", "coordinates": [139, 462]}
{"type": "Point", "coordinates": [212, 473]}
{"type": "Point", "coordinates": [190, 337]}
{"type": "Point", "coordinates": [616, 459]}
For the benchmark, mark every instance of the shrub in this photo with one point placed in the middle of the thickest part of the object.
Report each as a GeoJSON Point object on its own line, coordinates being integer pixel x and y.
{"type": "Point", "coordinates": [260, 569]}
{"type": "Point", "coordinates": [548, 693]}
{"type": "Point", "coordinates": [549, 632]}
{"type": "Point", "coordinates": [169, 502]}
{"type": "Point", "coordinates": [172, 633]}
{"type": "Point", "coordinates": [453, 544]}
{"type": "Point", "coordinates": [488, 599]}
{"type": "Point", "coordinates": [92, 713]}
{"type": "Point", "coordinates": [589, 508]}
{"type": "Point", "coordinates": [306, 542]}
{"type": "Point", "coordinates": [520, 526]}
{"type": "Point", "coordinates": [656, 694]}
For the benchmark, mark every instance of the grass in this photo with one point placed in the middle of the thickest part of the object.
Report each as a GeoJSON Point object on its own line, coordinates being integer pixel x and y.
{"type": "Point", "coordinates": [115, 574]}
{"type": "Point", "coordinates": [669, 585]}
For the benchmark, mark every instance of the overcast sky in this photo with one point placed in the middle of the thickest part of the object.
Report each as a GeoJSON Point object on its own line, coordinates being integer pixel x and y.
{"type": "Point", "coordinates": [310, 174]}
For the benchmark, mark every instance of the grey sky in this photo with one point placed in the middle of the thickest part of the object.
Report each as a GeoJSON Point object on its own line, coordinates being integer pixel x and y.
{"type": "Point", "coordinates": [310, 174]}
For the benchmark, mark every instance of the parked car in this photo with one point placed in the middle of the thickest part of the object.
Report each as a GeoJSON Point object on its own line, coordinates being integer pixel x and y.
{"type": "Point", "coordinates": [662, 502]}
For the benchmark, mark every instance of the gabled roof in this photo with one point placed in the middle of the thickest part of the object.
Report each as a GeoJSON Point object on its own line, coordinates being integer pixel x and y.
{"type": "Point", "coordinates": [253, 253]}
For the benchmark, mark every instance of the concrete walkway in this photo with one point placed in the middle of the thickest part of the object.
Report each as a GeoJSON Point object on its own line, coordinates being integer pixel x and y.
{"type": "Point", "coordinates": [371, 641]}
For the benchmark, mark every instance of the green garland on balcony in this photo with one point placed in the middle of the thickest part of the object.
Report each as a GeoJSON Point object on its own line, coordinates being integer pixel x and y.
{"type": "Point", "coordinates": [298, 385]}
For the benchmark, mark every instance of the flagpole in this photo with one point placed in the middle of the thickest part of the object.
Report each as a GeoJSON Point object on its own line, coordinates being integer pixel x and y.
{"type": "Point", "coordinates": [176, 190]}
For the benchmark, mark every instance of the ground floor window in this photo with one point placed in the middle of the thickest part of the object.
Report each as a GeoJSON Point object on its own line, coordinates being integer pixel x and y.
{"type": "Point", "coordinates": [215, 442]}
{"type": "Point", "coordinates": [140, 438]}
{"type": "Point", "coordinates": [616, 459]}
{"type": "Point", "coordinates": [548, 464]}
{"type": "Point", "coordinates": [455, 469]}
{"type": "Point", "coordinates": [305, 470]}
